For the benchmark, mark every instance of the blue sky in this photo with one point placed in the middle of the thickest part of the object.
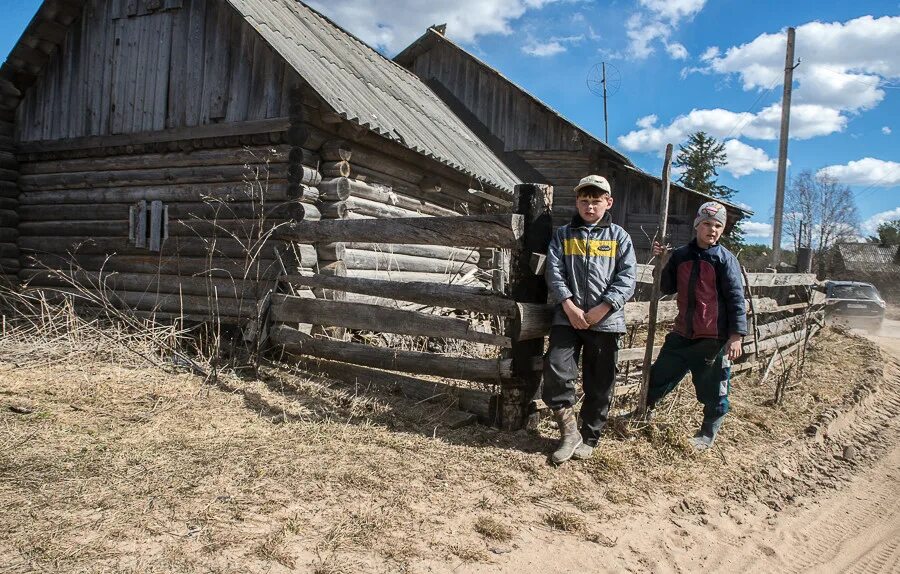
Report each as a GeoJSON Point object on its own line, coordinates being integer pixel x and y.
{"type": "Point", "coordinates": [684, 65]}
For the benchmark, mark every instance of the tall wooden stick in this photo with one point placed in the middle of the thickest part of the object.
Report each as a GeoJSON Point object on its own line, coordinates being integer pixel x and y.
{"type": "Point", "coordinates": [657, 275]}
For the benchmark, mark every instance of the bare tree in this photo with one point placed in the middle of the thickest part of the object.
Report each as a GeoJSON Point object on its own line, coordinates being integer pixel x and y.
{"type": "Point", "coordinates": [819, 212]}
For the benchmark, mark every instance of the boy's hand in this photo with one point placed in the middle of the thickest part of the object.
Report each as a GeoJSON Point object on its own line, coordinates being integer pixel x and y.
{"type": "Point", "coordinates": [597, 314]}
{"type": "Point", "coordinates": [734, 347]}
{"type": "Point", "coordinates": [659, 249]}
{"type": "Point", "coordinates": [575, 315]}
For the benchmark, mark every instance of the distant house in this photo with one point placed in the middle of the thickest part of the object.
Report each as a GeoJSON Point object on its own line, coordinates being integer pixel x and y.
{"type": "Point", "coordinates": [540, 145]}
{"type": "Point", "coordinates": [870, 262]}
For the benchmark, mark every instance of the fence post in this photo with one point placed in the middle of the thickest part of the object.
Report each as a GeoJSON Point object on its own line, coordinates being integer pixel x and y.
{"type": "Point", "coordinates": [535, 203]}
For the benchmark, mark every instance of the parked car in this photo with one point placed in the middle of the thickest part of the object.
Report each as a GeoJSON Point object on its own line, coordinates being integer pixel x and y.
{"type": "Point", "coordinates": [854, 303]}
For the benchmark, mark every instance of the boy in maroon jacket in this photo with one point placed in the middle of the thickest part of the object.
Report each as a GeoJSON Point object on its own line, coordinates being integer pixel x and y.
{"type": "Point", "coordinates": [711, 322]}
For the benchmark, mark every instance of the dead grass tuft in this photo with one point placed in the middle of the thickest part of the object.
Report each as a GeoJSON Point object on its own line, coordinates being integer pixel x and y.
{"type": "Point", "coordinates": [468, 553]}
{"type": "Point", "coordinates": [565, 521]}
{"type": "Point", "coordinates": [491, 528]}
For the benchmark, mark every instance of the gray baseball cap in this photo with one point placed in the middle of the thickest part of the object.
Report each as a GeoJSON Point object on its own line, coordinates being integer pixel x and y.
{"type": "Point", "coordinates": [597, 181]}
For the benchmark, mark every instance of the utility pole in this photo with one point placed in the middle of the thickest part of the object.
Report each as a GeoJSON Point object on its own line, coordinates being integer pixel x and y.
{"type": "Point", "coordinates": [783, 148]}
{"type": "Point", "coordinates": [605, 118]}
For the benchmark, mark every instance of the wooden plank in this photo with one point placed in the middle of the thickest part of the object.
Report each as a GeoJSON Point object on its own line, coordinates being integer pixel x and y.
{"type": "Point", "coordinates": [289, 309]}
{"type": "Point", "coordinates": [156, 225]}
{"type": "Point", "coordinates": [474, 299]}
{"type": "Point", "coordinates": [465, 368]}
{"type": "Point", "coordinates": [163, 59]}
{"type": "Point", "coordinates": [365, 259]}
{"type": "Point", "coordinates": [472, 231]}
{"type": "Point", "coordinates": [140, 230]}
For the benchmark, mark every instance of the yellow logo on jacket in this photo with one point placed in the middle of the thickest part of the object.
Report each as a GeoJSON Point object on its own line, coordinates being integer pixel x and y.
{"type": "Point", "coordinates": [591, 247]}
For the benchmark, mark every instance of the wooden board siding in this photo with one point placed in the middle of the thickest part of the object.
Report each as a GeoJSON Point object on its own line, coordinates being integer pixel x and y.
{"type": "Point", "coordinates": [507, 112]}
{"type": "Point", "coordinates": [195, 64]}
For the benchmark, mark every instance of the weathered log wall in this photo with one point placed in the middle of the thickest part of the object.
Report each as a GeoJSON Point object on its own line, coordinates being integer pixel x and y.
{"type": "Point", "coordinates": [9, 203]}
{"type": "Point", "coordinates": [220, 206]}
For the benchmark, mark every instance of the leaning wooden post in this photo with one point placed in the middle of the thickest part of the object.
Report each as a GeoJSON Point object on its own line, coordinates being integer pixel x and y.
{"type": "Point", "coordinates": [526, 285]}
{"type": "Point", "coordinates": [657, 275]}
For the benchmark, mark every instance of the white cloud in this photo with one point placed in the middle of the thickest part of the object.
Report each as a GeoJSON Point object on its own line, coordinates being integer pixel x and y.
{"type": "Point", "coordinates": [807, 121]}
{"type": "Point", "coordinates": [658, 20]}
{"type": "Point", "coordinates": [710, 53]}
{"type": "Point", "coordinates": [757, 229]}
{"type": "Point", "coordinates": [391, 25]}
{"type": "Point", "coordinates": [543, 49]}
{"type": "Point", "coordinates": [842, 65]}
{"type": "Point", "coordinates": [867, 171]}
{"type": "Point", "coordinates": [677, 51]}
{"type": "Point", "coordinates": [870, 226]}
{"type": "Point", "coordinates": [744, 159]}
{"type": "Point", "coordinates": [886, 130]}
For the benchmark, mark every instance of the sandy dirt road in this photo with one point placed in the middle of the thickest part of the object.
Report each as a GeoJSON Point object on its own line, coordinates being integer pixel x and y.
{"type": "Point", "coordinates": [855, 529]}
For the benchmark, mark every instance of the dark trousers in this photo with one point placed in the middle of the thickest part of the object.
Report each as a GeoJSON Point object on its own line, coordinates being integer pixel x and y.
{"type": "Point", "coordinates": [598, 352]}
{"type": "Point", "coordinates": [709, 367]}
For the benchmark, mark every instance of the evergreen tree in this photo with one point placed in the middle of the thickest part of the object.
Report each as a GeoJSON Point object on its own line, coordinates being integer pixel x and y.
{"type": "Point", "coordinates": [888, 233]}
{"type": "Point", "coordinates": [699, 160]}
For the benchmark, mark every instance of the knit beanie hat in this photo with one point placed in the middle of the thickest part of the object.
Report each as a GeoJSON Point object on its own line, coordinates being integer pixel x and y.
{"type": "Point", "coordinates": [710, 211]}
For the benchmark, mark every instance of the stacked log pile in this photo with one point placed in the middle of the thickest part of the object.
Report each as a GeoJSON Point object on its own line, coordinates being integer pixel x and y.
{"type": "Point", "coordinates": [219, 206]}
{"type": "Point", "coordinates": [9, 203]}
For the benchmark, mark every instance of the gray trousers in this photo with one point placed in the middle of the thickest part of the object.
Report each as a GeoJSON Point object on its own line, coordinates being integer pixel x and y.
{"type": "Point", "coordinates": [599, 354]}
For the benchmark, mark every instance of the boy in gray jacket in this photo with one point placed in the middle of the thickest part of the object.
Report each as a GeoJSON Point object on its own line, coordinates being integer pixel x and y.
{"type": "Point", "coordinates": [591, 271]}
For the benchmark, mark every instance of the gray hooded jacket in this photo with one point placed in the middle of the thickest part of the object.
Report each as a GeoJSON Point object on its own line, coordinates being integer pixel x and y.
{"type": "Point", "coordinates": [592, 265]}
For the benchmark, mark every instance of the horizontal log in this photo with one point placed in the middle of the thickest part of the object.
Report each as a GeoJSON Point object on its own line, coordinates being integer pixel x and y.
{"type": "Point", "coordinates": [489, 370]}
{"type": "Point", "coordinates": [332, 269]}
{"type": "Point", "coordinates": [476, 401]}
{"type": "Point", "coordinates": [9, 251]}
{"type": "Point", "coordinates": [441, 278]}
{"type": "Point", "coordinates": [331, 251]}
{"type": "Point", "coordinates": [381, 210]}
{"type": "Point", "coordinates": [252, 155]}
{"type": "Point", "coordinates": [452, 196]}
{"type": "Point", "coordinates": [337, 189]}
{"type": "Point", "coordinates": [186, 266]}
{"type": "Point", "coordinates": [336, 150]}
{"type": "Point", "coordinates": [148, 283]}
{"type": "Point", "coordinates": [781, 326]}
{"type": "Point", "coordinates": [299, 174]}
{"type": "Point", "coordinates": [171, 247]}
{"type": "Point", "coordinates": [166, 303]}
{"type": "Point", "coordinates": [460, 254]}
{"type": "Point", "coordinates": [288, 309]}
{"type": "Point", "coordinates": [304, 156]}
{"type": "Point", "coordinates": [9, 174]}
{"type": "Point", "coordinates": [9, 266]}
{"type": "Point", "coordinates": [363, 259]}
{"type": "Point", "coordinates": [205, 210]}
{"type": "Point", "coordinates": [9, 218]}
{"type": "Point", "coordinates": [243, 229]}
{"type": "Point", "coordinates": [438, 295]}
{"type": "Point", "coordinates": [335, 169]}
{"type": "Point", "coordinates": [9, 189]}
{"type": "Point", "coordinates": [9, 203]}
{"type": "Point", "coordinates": [305, 192]}
{"type": "Point", "coordinates": [198, 192]}
{"type": "Point", "coordinates": [9, 234]}
{"type": "Point", "coordinates": [472, 231]}
{"type": "Point", "coordinates": [756, 280]}
{"type": "Point", "coordinates": [385, 194]}
{"type": "Point", "coordinates": [162, 176]}
{"type": "Point", "coordinates": [333, 209]}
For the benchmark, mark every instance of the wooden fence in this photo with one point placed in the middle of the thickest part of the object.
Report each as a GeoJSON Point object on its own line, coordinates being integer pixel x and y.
{"type": "Point", "coordinates": [507, 323]}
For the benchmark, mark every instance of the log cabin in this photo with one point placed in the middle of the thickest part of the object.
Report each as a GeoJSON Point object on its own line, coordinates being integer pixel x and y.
{"type": "Point", "coordinates": [541, 146]}
{"type": "Point", "coordinates": [153, 148]}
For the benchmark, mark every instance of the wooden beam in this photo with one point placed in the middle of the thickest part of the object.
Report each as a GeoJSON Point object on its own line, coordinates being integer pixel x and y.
{"type": "Point", "coordinates": [486, 370]}
{"type": "Point", "coordinates": [287, 309]}
{"type": "Point", "coordinates": [464, 297]}
{"type": "Point", "coordinates": [472, 231]}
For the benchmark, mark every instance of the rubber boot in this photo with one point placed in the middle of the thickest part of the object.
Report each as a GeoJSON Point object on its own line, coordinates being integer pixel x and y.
{"type": "Point", "coordinates": [570, 438]}
{"type": "Point", "coordinates": [706, 436]}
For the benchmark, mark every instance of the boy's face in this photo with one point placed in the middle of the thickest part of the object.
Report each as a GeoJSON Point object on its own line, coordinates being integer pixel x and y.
{"type": "Point", "coordinates": [709, 232]}
{"type": "Point", "coordinates": [592, 209]}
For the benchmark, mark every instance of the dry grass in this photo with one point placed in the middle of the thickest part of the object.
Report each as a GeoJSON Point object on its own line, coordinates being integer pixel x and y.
{"type": "Point", "coordinates": [493, 529]}
{"type": "Point", "coordinates": [124, 463]}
